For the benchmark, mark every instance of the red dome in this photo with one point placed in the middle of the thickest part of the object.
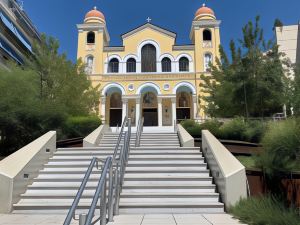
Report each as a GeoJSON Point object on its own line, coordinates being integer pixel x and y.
{"type": "Point", "coordinates": [95, 13]}
{"type": "Point", "coordinates": [204, 11]}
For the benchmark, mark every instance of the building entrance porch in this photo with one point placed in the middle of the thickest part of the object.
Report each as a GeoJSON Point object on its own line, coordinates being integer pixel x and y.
{"type": "Point", "coordinates": [158, 110]}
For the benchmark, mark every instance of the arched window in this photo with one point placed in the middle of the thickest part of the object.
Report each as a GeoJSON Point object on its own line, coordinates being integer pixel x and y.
{"type": "Point", "coordinates": [113, 66]}
{"type": "Point", "coordinates": [183, 64]}
{"type": "Point", "coordinates": [89, 64]}
{"type": "Point", "coordinates": [207, 61]}
{"type": "Point", "coordinates": [148, 58]}
{"type": "Point", "coordinates": [90, 39]}
{"type": "Point", "coordinates": [166, 65]}
{"type": "Point", "coordinates": [131, 65]}
{"type": "Point", "coordinates": [206, 35]}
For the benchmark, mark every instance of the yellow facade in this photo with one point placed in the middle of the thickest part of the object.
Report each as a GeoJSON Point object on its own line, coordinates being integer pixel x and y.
{"type": "Point", "coordinates": [176, 84]}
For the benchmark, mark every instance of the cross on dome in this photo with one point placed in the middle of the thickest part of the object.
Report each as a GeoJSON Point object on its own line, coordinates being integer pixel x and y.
{"type": "Point", "coordinates": [203, 5]}
{"type": "Point", "coordinates": [148, 19]}
{"type": "Point", "coordinates": [95, 7]}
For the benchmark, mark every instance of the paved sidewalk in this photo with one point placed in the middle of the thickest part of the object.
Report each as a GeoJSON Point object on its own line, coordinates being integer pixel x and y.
{"type": "Point", "coordinates": [148, 219]}
{"type": "Point", "coordinates": [175, 219]}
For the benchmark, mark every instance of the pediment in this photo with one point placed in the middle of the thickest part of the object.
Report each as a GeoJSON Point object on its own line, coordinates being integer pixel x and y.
{"type": "Point", "coordinates": [149, 26]}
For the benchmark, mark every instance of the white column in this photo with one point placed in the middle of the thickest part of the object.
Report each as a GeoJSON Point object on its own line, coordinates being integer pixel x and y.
{"type": "Point", "coordinates": [103, 101]}
{"type": "Point", "coordinates": [137, 111]}
{"type": "Point", "coordinates": [174, 117]}
{"type": "Point", "coordinates": [124, 108]}
{"type": "Point", "coordinates": [159, 101]}
{"type": "Point", "coordinates": [195, 108]}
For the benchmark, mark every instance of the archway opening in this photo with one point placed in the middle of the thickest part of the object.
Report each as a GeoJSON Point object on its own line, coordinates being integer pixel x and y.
{"type": "Point", "coordinates": [113, 106]}
{"type": "Point", "coordinates": [149, 108]}
{"type": "Point", "coordinates": [183, 103]}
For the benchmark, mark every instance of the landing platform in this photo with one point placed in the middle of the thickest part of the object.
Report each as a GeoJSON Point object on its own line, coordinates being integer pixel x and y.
{"type": "Point", "coordinates": [167, 129]}
{"type": "Point", "coordinates": [148, 219]}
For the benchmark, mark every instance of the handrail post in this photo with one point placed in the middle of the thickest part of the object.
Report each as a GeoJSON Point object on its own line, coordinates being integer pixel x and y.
{"type": "Point", "coordinates": [117, 192]}
{"type": "Point", "coordinates": [103, 208]}
{"type": "Point", "coordinates": [110, 194]}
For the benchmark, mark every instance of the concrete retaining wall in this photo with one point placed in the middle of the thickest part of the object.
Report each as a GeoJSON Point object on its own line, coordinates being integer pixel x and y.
{"type": "Point", "coordinates": [228, 173]}
{"type": "Point", "coordinates": [18, 170]}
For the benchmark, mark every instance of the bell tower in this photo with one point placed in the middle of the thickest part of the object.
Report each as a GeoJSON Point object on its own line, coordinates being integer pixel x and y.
{"type": "Point", "coordinates": [92, 38]}
{"type": "Point", "coordinates": [205, 35]}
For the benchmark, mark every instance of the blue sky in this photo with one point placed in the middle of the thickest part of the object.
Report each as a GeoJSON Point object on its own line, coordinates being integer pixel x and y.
{"type": "Point", "coordinates": [58, 18]}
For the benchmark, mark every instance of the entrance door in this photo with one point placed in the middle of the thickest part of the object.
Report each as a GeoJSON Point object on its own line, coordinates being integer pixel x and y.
{"type": "Point", "coordinates": [150, 117]}
{"type": "Point", "coordinates": [115, 111]}
{"type": "Point", "coordinates": [183, 114]}
{"type": "Point", "coordinates": [115, 118]}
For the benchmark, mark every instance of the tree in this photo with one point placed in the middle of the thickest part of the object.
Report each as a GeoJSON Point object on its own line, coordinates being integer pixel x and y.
{"type": "Point", "coordinates": [277, 23]}
{"type": "Point", "coordinates": [63, 83]}
{"type": "Point", "coordinates": [251, 82]}
{"type": "Point", "coordinates": [42, 95]}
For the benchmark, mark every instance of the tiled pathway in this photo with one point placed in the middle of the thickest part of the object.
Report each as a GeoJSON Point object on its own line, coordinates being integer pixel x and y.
{"type": "Point", "coordinates": [148, 219]}
{"type": "Point", "coordinates": [175, 219]}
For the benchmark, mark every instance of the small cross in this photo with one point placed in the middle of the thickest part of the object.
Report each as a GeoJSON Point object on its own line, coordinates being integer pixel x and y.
{"type": "Point", "coordinates": [149, 19]}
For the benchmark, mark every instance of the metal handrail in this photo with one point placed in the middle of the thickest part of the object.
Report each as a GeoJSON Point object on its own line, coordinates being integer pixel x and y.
{"type": "Point", "coordinates": [100, 192]}
{"type": "Point", "coordinates": [119, 138]}
{"type": "Point", "coordinates": [71, 213]}
{"type": "Point", "coordinates": [139, 131]}
{"type": "Point", "coordinates": [115, 167]}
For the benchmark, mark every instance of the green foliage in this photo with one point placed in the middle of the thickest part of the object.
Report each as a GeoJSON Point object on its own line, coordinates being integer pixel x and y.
{"type": "Point", "coordinates": [251, 83]}
{"type": "Point", "coordinates": [247, 161]}
{"type": "Point", "coordinates": [295, 86]}
{"type": "Point", "coordinates": [235, 129]}
{"type": "Point", "coordinates": [264, 211]}
{"type": "Point", "coordinates": [280, 147]}
{"type": "Point", "coordinates": [40, 96]}
{"type": "Point", "coordinates": [80, 126]}
{"type": "Point", "coordinates": [277, 23]}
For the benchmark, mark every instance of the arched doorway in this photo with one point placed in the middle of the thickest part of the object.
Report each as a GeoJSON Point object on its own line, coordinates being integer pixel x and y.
{"type": "Point", "coordinates": [183, 104]}
{"type": "Point", "coordinates": [115, 109]}
{"type": "Point", "coordinates": [149, 108]}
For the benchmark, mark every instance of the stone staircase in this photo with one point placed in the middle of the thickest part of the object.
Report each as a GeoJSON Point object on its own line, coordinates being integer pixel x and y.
{"type": "Point", "coordinates": [161, 177]}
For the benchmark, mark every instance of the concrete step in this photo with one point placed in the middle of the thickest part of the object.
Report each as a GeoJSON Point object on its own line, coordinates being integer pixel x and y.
{"type": "Point", "coordinates": [169, 208]}
{"type": "Point", "coordinates": [167, 182]}
{"type": "Point", "coordinates": [167, 169]}
{"type": "Point", "coordinates": [163, 199]}
{"type": "Point", "coordinates": [56, 158]}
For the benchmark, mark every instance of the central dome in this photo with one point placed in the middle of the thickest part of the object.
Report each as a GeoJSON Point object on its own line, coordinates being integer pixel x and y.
{"type": "Point", "coordinates": [205, 13]}
{"type": "Point", "coordinates": [94, 16]}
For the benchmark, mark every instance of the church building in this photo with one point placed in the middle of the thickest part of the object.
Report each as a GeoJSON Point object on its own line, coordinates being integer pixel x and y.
{"type": "Point", "coordinates": [150, 75]}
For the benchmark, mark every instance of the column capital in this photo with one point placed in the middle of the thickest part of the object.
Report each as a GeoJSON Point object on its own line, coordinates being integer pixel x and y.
{"type": "Point", "coordinates": [173, 99]}
{"type": "Point", "coordinates": [125, 100]}
{"type": "Point", "coordinates": [159, 99]}
{"type": "Point", "coordinates": [138, 100]}
{"type": "Point", "coordinates": [103, 99]}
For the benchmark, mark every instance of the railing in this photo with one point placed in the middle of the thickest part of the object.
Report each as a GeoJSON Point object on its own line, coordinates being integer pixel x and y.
{"type": "Point", "coordinates": [139, 131]}
{"type": "Point", "coordinates": [114, 167]}
{"type": "Point", "coordinates": [125, 122]}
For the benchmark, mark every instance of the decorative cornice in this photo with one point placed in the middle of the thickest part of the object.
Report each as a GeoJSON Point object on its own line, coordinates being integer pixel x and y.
{"type": "Point", "coordinates": [183, 47]}
{"type": "Point", "coordinates": [114, 49]}
{"type": "Point", "coordinates": [149, 25]}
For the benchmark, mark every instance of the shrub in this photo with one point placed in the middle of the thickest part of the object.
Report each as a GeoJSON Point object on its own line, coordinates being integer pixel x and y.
{"type": "Point", "coordinates": [280, 146]}
{"type": "Point", "coordinates": [213, 126]}
{"type": "Point", "coordinates": [255, 131]}
{"type": "Point", "coordinates": [80, 126]}
{"type": "Point", "coordinates": [264, 211]}
{"type": "Point", "coordinates": [234, 130]}
{"type": "Point", "coordinates": [195, 129]}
